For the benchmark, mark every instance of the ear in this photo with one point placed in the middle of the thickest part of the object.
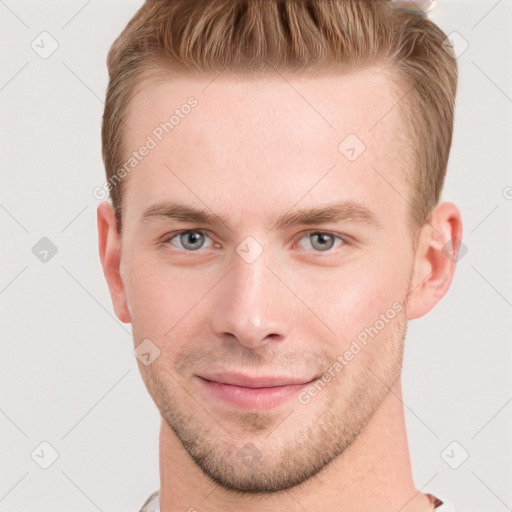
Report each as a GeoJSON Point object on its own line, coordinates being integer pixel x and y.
{"type": "Point", "coordinates": [438, 249]}
{"type": "Point", "coordinates": [109, 243]}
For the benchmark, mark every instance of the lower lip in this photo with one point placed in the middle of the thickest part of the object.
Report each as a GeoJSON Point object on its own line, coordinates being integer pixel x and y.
{"type": "Point", "coordinates": [252, 398]}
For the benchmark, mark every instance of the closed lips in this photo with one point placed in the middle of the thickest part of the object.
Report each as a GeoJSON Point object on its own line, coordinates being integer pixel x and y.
{"type": "Point", "coordinates": [255, 382]}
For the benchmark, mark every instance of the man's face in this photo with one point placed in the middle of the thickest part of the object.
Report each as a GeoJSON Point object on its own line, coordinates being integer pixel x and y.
{"type": "Point", "coordinates": [258, 298]}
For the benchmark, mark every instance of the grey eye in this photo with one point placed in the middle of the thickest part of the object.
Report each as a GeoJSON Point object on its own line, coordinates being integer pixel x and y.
{"type": "Point", "coordinates": [322, 241]}
{"type": "Point", "coordinates": [190, 240]}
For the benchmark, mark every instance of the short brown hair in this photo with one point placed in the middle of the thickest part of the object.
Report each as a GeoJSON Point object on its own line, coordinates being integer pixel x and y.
{"type": "Point", "coordinates": [301, 37]}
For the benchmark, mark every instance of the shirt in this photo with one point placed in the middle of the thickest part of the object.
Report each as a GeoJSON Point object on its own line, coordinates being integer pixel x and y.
{"type": "Point", "coordinates": [152, 504]}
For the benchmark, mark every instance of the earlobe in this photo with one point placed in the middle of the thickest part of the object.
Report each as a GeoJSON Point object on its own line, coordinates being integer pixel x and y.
{"type": "Point", "coordinates": [438, 250]}
{"type": "Point", "coordinates": [109, 245]}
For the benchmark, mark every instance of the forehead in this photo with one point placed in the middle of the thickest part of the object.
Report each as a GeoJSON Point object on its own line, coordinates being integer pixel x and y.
{"type": "Point", "coordinates": [259, 144]}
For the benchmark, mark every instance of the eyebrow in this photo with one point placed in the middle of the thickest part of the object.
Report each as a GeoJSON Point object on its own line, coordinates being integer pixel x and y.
{"type": "Point", "coordinates": [331, 212]}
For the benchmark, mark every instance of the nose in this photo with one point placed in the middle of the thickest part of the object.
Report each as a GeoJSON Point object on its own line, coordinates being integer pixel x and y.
{"type": "Point", "coordinates": [251, 305]}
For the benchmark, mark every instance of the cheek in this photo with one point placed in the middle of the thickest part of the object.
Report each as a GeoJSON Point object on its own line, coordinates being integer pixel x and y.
{"type": "Point", "coordinates": [353, 297]}
{"type": "Point", "coordinates": [170, 304]}
{"type": "Point", "coordinates": [158, 296]}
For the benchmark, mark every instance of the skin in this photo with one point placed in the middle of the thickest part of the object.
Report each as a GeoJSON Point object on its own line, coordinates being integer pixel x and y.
{"type": "Point", "coordinates": [251, 151]}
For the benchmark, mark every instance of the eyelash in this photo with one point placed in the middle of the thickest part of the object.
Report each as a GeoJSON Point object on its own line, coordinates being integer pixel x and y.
{"type": "Point", "coordinates": [170, 237]}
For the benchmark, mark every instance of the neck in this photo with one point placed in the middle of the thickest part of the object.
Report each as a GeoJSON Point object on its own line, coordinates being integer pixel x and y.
{"type": "Point", "coordinates": [373, 473]}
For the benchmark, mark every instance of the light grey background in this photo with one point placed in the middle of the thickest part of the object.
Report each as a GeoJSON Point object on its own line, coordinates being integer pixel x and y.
{"type": "Point", "coordinates": [68, 374]}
